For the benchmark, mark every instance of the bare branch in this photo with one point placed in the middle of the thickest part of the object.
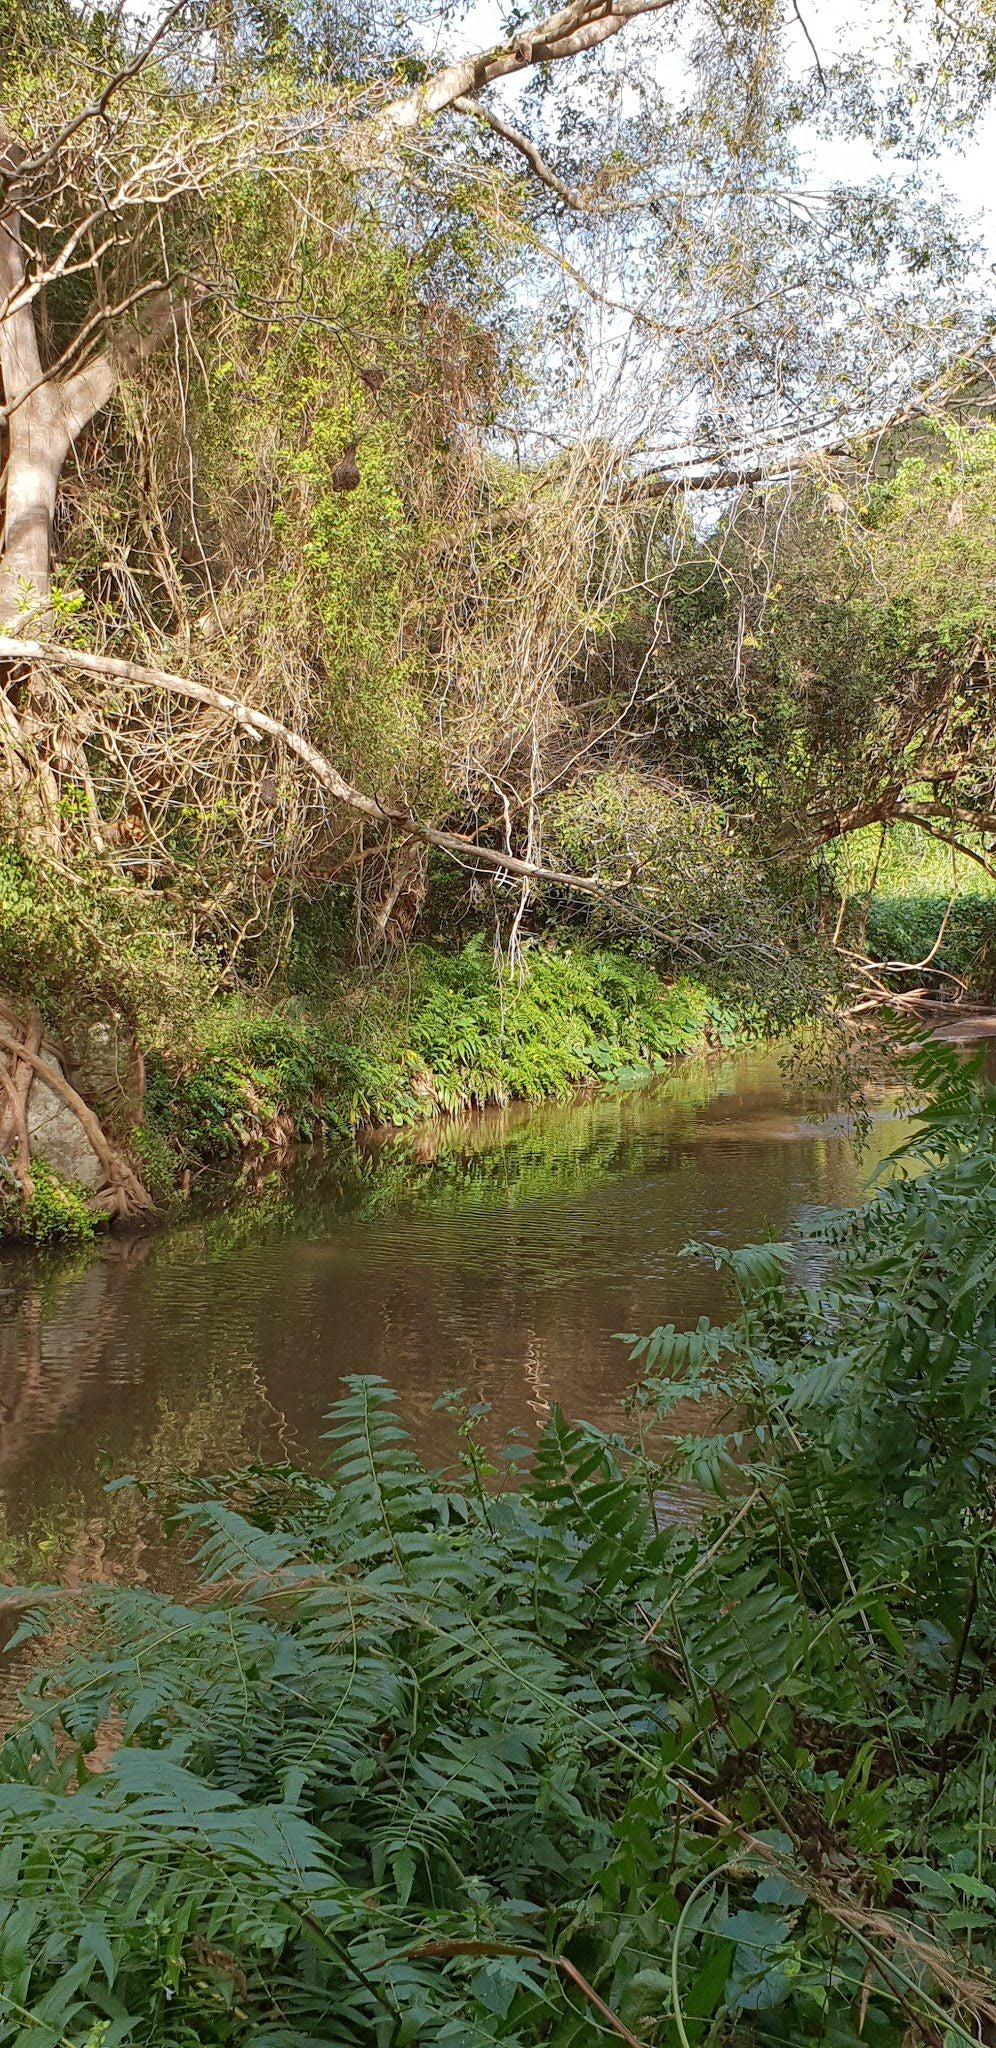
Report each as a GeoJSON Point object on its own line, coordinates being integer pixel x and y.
{"type": "Point", "coordinates": [98, 108]}
{"type": "Point", "coordinates": [320, 767]}
{"type": "Point", "coordinates": [569, 32]}
{"type": "Point", "coordinates": [130, 1197]}
{"type": "Point", "coordinates": [537, 163]}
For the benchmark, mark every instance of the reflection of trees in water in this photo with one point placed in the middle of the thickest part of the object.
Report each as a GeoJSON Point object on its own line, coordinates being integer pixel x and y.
{"type": "Point", "coordinates": [51, 1341]}
{"type": "Point", "coordinates": [498, 1255]}
{"type": "Point", "coordinates": [57, 1400]}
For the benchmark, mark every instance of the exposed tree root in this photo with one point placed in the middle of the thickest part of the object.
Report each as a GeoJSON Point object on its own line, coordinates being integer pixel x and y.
{"type": "Point", "coordinates": [26, 1056]}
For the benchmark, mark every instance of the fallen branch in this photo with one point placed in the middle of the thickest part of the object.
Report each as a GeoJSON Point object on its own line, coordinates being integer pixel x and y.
{"type": "Point", "coordinates": [455, 843]}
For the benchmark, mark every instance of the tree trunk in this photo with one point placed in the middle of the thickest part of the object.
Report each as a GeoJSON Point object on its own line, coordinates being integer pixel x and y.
{"type": "Point", "coordinates": [37, 445]}
{"type": "Point", "coordinates": [37, 425]}
{"type": "Point", "coordinates": [42, 416]}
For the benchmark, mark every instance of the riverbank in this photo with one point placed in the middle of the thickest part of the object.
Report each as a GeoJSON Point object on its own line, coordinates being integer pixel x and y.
{"type": "Point", "coordinates": [448, 1033]}
{"type": "Point", "coordinates": [441, 1034]}
{"type": "Point", "coordinates": [776, 1714]}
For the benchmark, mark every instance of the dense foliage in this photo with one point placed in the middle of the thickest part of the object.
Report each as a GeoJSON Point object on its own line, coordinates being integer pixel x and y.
{"type": "Point", "coordinates": [462, 1032]}
{"type": "Point", "coordinates": [380, 413]}
{"type": "Point", "coordinates": [476, 1761]}
{"type": "Point", "coordinates": [830, 661]}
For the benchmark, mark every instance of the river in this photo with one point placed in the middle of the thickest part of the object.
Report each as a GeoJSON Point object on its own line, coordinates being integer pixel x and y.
{"type": "Point", "coordinates": [499, 1254]}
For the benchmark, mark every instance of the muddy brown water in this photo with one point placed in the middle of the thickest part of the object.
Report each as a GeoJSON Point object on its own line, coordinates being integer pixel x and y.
{"type": "Point", "coordinates": [499, 1254]}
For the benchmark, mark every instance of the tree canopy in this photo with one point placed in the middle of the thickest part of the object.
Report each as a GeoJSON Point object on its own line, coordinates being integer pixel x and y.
{"type": "Point", "coordinates": [413, 445]}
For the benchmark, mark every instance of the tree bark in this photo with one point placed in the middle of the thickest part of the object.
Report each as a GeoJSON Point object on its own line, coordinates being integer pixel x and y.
{"type": "Point", "coordinates": [45, 413]}
{"type": "Point", "coordinates": [569, 32]}
{"type": "Point", "coordinates": [37, 448]}
{"type": "Point", "coordinates": [38, 436]}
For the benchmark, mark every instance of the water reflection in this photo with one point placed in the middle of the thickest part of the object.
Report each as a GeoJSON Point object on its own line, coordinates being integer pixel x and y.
{"type": "Point", "coordinates": [498, 1255]}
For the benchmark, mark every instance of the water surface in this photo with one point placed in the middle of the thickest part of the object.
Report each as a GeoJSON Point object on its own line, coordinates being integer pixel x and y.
{"type": "Point", "coordinates": [498, 1254]}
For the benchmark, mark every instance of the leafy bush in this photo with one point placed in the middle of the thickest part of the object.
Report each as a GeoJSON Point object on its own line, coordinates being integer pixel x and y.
{"type": "Point", "coordinates": [76, 946]}
{"type": "Point", "coordinates": [452, 1763]}
{"type": "Point", "coordinates": [55, 1211]}
{"type": "Point", "coordinates": [906, 928]}
{"type": "Point", "coordinates": [258, 1080]}
{"type": "Point", "coordinates": [486, 1035]}
{"type": "Point", "coordinates": [689, 871]}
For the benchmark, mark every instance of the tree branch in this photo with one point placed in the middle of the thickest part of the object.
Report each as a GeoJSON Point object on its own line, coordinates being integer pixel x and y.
{"type": "Point", "coordinates": [329, 778]}
{"type": "Point", "coordinates": [98, 107]}
{"type": "Point", "coordinates": [912, 817]}
{"type": "Point", "coordinates": [569, 32]}
{"type": "Point", "coordinates": [129, 1194]}
{"type": "Point", "coordinates": [526, 148]}
{"type": "Point", "coordinates": [88, 389]}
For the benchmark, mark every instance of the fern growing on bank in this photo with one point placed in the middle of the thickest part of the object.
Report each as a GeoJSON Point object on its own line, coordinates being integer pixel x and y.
{"type": "Point", "coordinates": [463, 1031]}
{"type": "Point", "coordinates": [479, 1762]}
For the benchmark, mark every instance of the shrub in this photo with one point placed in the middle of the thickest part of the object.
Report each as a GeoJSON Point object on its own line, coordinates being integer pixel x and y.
{"type": "Point", "coordinates": [906, 928]}
{"type": "Point", "coordinates": [472, 1032]}
{"type": "Point", "coordinates": [79, 945]}
{"type": "Point", "coordinates": [55, 1211]}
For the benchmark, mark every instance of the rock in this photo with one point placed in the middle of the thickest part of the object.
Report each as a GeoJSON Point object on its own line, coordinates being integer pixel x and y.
{"type": "Point", "coordinates": [103, 1068]}
{"type": "Point", "coordinates": [56, 1134]}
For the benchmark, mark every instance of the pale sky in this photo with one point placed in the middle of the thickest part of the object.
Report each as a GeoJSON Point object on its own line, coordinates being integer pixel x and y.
{"type": "Point", "coordinates": [969, 174]}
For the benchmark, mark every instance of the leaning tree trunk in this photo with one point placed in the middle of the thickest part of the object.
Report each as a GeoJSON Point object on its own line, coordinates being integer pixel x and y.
{"type": "Point", "coordinates": [38, 432]}
{"type": "Point", "coordinates": [37, 445]}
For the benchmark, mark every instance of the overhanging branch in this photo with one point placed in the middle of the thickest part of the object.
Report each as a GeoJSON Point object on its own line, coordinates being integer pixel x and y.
{"type": "Point", "coordinates": [139, 676]}
{"type": "Point", "coordinates": [569, 32]}
{"type": "Point", "coordinates": [526, 148]}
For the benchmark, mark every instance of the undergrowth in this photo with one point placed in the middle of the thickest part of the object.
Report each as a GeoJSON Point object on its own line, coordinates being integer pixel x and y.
{"type": "Point", "coordinates": [456, 1031]}
{"type": "Point", "coordinates": [954, 939]}
{"type": "Point", "coordinates": [914, 900]}
{"type": "Point", "coordinates": [471, 1761]}
{"type": "Point", "coordinates": [74, 946]}
{"type": "Point", "coordinates": [55, 1211]}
